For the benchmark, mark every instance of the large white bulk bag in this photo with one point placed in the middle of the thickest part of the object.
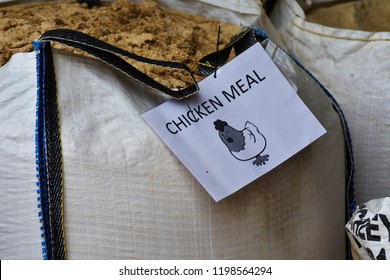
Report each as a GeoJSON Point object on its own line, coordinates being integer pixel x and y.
{"type": "Point", "coordinates": [126, 196]}
{"type": "Point", "coordinates": [355, 67]}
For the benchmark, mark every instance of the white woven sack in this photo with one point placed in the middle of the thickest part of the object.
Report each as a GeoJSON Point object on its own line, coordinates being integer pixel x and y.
{"type": "Point", "coordinates": [355, 67]}
{"type": "Point", "coordinates": [127, 196]}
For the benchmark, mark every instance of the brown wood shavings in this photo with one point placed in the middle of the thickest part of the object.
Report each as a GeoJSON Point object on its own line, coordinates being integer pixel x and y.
{"type": "Point", "coordinates": [142, 28]}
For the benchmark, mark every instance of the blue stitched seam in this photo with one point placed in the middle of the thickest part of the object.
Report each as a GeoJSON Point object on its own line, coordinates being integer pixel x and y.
{"type": "Point", "coordinates": [351, 203]}
{"type": "Point", "coordinates": [40, 153]}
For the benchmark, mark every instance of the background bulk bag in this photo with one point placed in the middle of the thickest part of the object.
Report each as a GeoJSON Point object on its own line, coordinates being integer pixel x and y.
{"type": "Point", "coordinates": [355, 66]}
{"type": "Point", "coordinates": [126, 196]}
{"type": "Point", "coordinates": [369, 230]}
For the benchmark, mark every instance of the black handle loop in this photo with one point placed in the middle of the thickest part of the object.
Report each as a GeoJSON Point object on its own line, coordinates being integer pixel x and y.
{"type": "Point", "coordinates": [240, 42]}
{"type": "Point", "coordinates": [110, 54]}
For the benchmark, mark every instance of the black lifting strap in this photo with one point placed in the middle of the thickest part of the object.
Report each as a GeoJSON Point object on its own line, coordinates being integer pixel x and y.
{"type": "Point", "coordinates": [111, 55]}
{"type": "Point", "coordinates": [240, 42]}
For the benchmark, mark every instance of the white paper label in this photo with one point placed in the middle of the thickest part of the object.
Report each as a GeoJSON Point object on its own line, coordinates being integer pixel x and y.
{"type": "Point", "coordinates": [242, 124]}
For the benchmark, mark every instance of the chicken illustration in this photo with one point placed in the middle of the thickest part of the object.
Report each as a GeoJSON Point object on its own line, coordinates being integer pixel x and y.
{"type": "Point", "coordinates": [244, 144]}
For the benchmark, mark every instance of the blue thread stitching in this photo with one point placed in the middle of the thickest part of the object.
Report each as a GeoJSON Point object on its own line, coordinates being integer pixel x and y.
{"type": "Point", "coordinates": [40, 152]}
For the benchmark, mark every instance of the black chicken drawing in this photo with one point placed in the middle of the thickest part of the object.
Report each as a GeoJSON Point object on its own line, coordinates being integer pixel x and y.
{"type": "Point", "coordinates": [244, 144]}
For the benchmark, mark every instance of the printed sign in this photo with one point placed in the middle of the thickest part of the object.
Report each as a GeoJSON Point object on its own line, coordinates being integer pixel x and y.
{"type": "Point", "coordinates": [240, 125]}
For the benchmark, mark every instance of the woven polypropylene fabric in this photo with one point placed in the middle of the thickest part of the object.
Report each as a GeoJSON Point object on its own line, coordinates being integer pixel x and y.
{"type": "Point", "coordinates": [355, 67]}
{"type": "Point", "coordinates": [128, 197]}
{"type": "Point", "coordinates": [20, 233]}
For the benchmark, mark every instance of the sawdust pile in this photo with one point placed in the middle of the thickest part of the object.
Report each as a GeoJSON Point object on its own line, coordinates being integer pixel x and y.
{"type": "Point", "coordinates": [142, 28]}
